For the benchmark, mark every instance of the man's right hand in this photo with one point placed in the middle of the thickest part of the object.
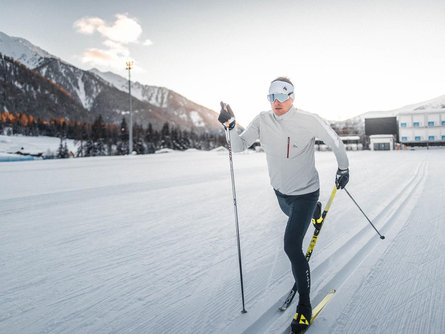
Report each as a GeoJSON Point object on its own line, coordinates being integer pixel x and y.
{"type": "Point", "coordinates": [226, 116]}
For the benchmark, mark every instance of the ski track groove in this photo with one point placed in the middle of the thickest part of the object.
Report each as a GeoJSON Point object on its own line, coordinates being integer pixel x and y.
{"type": "Point", "coordinates": [418, 295]}
{"type": "Point", "coordinates": [272, 315]}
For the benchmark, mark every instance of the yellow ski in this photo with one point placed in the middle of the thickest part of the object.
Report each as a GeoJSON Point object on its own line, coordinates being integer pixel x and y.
{"type": "Point", "coordinates": [316, 311]}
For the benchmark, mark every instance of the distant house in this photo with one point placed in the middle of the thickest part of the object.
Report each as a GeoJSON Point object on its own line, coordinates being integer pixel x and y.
{"type": "Point", "coordinates": [382, 142]}
{"type": "Point", "coordinates": [352, 143]}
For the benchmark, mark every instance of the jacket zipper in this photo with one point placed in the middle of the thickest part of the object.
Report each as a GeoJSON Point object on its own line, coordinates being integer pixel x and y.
{"type": "Point", "coordinates": [288, 144]}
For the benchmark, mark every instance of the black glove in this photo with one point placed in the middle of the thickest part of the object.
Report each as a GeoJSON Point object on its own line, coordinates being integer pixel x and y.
{"type": "Point", "coordinates": [226, 116]}
{"type": "Point", "coordinates": [342, 178]}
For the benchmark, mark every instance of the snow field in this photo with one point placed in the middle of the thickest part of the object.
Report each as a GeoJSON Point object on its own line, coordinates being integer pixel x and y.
{"type": "Point", "coordinates": [147, 244]}
{"type": "Point", "coordinates": [31, 145]}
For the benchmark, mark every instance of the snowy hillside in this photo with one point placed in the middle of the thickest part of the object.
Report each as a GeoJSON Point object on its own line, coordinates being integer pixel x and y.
{"type": "Point", "coordinates": [146, 244]}
{"type": "Point", "coordinates": [173, 103]}
{"type": "Point", "coordinates": [22, 50]}
{"type": "Point", "coordinates": [154, 95]}
{"type": "Point", "coordinates": [436, 104]}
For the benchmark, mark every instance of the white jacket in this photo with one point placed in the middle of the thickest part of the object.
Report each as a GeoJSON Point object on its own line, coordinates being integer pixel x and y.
{"type": "Point", "coordinates": [288, 141]}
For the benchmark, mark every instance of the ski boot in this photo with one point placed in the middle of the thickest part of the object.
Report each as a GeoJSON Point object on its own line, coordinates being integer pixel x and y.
{"type": "Point", "coordinates": [302, 319]}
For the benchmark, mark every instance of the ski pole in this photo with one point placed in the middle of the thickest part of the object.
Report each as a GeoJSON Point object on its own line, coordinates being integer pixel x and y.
{"type": "Point", "coordinates": [381, 236]}
{"type": "Point", "coordinates": [236, 216]}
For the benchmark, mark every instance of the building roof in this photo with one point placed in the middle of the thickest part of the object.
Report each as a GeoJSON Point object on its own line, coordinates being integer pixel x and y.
{"type": "Point", "coordinates": [381, 136]}
{"type": "Point", "coordinates": [350, 138]}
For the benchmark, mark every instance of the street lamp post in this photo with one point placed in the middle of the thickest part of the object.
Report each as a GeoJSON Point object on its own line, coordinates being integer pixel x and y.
{"type": "Point", "coordinates": [129, 67]}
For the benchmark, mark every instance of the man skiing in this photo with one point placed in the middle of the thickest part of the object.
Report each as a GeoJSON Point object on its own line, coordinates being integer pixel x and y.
{"type": "Point", "coordinates": [287, 135]}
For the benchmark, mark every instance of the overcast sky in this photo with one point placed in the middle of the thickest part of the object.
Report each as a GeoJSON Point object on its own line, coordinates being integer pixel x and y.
{"type": "Point", "coordinates": [345, 57]}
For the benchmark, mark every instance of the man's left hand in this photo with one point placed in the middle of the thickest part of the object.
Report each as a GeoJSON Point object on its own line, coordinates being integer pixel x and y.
{"type": "Point", "coordinates": [342, 178]}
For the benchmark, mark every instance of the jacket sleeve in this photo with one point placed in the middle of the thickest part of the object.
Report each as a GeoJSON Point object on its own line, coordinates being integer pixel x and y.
{"type": "Point", "coordinates": [324, 132]}
{"type": "Point", "coordinates": [247, 138]}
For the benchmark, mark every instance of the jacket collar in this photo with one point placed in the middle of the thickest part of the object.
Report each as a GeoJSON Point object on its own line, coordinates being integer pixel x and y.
{"type": "Point", "coordinates": [286, 115]}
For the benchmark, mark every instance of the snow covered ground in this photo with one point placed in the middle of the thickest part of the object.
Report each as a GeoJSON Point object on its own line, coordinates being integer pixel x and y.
{"type": "Point", "coordinates": [30, 145]}
{"type": "Point", "coordinates": [147, 244]}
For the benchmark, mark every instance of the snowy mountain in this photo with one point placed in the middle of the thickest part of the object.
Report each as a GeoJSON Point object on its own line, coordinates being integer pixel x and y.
{"type": "Point", "coordinates": [436, 104]}
{"type": "Point", "coordinates": [26, 91]}
{"type": "Point", "coordinates": [175, 104]}
{"type": "Point", "coordinates": [22, 50]}
{"type": "Point", "coordinates": [83, 87]}
{"type": "Point", "coordinates": [154, 95]}
{"type": "Point", "coordinates": [106, 93]}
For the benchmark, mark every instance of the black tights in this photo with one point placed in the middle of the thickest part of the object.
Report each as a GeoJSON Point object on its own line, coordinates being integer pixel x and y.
{"type": "Point", "coordinates": [299, 209]}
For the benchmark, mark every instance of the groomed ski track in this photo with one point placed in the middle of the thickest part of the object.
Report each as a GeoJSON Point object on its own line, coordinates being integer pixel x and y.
{"type": "Point", "coordinates": [336, 268]}
{"type": "Point", "coordinates": [147, 245]}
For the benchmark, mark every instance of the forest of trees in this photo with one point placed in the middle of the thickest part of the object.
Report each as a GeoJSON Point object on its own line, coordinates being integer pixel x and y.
{"type": "Point", "coordinates": [99, 138]}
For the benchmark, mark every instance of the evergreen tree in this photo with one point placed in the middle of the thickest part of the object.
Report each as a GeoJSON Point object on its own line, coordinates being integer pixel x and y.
{"type": "Point", "coordinates": [89, 149]}
{"type": "Point", "coordinates": [122, 146]}
{"type": "Point", "coordinates": [62, 151]}
{"type": "Point", "coordinates": [98, 136]}
{"type": "Point", "coordinates": [165, 140]}
{"type": "Point", "coordinates": [81, 136]}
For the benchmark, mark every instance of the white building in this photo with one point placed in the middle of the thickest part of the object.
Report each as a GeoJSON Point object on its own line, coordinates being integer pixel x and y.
{"type": "Point", "coordinates": [382, 142]}
{"type": "Point", "coordinates": [352, 143]}
{"type": "Point", "coordinates": [420, 124]}
{"type": "Point", "coordinates": [422, 127]}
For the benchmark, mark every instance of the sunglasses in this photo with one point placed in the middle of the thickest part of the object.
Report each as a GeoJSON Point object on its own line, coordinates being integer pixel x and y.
{"type": "Point", "coordinates": [280, 97]}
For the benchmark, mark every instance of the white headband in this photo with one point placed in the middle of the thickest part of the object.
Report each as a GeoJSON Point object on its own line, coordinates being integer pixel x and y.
{"type": "Point", "coordinates": [282, 87]}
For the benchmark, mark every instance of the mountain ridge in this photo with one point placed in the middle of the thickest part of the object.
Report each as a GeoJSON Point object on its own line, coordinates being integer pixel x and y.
{"type": "Point", "coordinates": [98, 94]}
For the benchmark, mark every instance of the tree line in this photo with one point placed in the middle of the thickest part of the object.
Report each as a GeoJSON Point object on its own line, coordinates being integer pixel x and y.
{"type": "Point", "coordinates": [100, 138]}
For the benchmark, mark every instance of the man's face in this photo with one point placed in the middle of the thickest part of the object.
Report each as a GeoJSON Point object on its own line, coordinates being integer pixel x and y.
{"type": "Point", "coordinates": [280, 108]}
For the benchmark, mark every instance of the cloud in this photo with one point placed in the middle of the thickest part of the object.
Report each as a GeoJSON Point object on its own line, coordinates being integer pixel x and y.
{"type": "Point", "coordinates": [103, 58]}
{"type": "Point", "coordinates": [117, 48]}
{"type": "Point", "coordinates": [124, 30]}
{"type": "Point", "coordinates": [88, 25]}
{"type": "Point", "coordinates": [118, 37]}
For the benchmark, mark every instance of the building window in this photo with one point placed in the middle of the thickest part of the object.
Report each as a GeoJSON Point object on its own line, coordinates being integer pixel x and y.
{"type": "Point", "coordinates": [382, 147]}
{"type": "Point", "coordinates": [403, 125]}
{"type": "Point", "coordinates": [431, 123]}
{"type": "Point", "coordinates": [406, 138]}
{"type": "Point", "coordinates": [417, 138]}
{"type": "Point", "coordinates": [431, 137]}
{"type": "Point", "coordinates": [416, 124]}
{"type": "Point", "coordinates": [443, 137]}
{"type": "Point", "coordinates": [443, 123]}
